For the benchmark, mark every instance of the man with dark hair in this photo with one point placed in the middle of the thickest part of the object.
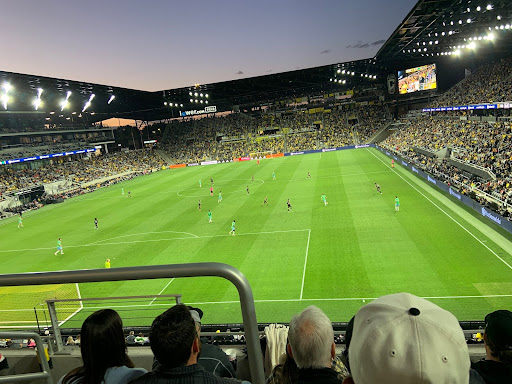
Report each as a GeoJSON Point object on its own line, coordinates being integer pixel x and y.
{"type": "Point", "coordinates": [174, 339]}
{"type": "Point", "coordinates": [497, 365]}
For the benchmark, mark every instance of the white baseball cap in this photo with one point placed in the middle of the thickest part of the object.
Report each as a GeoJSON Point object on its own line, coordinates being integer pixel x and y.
{"type": "Point", "coordinates": [402, 338]}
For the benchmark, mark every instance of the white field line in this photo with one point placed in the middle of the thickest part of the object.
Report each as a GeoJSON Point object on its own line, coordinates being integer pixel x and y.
{"type": "Point", "coordinates": [288, 301]}
{"type": "Point", "coordinates": [155, 240]}
{"type": "Point", "coordinates": [305, 263]}
{"type": "Point", "coordinates": [138, 234]}
{"type": "Point", "coordinates": [299, 300]}
{"type": "Point", "coordinates": [446, 213]}
{"type": "Point", "coordinates": [169, 283]}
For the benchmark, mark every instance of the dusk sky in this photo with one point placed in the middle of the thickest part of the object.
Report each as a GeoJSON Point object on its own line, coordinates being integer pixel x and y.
{"type": "Point", "coordinates": [156, 44]}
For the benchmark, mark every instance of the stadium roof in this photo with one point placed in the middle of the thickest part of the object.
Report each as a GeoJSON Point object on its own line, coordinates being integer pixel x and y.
{"type": "Point", "coordinates": [436, 28]}
{"type": "Point", "coordinates": [432, 31]}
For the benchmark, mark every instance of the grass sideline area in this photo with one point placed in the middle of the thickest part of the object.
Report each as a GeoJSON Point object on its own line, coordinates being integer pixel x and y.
{"type": "Point", "coordinates": [337, 257]}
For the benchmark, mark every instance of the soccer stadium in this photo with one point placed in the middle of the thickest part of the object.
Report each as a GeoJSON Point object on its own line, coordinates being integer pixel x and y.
{"type": "Point", "coordinates": [234, 206]}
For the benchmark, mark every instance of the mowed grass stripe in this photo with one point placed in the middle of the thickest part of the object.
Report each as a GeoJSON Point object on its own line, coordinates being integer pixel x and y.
{"type": "Point", "coordinates": [359, 247]}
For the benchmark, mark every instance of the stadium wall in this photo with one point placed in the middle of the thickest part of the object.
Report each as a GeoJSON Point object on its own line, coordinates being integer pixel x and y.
{"type": "Point", "coordinates": [491, 215]}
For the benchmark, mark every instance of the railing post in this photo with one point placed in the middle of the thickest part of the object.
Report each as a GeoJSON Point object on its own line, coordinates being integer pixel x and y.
{"type": "Point", "coordinates": [55, 326]}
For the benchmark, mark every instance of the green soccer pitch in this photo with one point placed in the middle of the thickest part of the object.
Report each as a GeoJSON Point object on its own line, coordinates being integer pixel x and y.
{"type": "Point", "coordinates": [336, 256]}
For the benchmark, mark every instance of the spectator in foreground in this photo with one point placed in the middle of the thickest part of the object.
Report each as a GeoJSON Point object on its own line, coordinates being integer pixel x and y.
{"type": "Point", "coordinates": [311, 345]}
{"type": "Point", "coordinates": [174, 339]}
{"type": "Point", "coordinates": [212, 358]}
{"type": "Point", "coordinates": [103, 351]}
{"type": "Point", "coordinates": [497, 365]}
{"type": "Point", "coordinates": [402, 338]}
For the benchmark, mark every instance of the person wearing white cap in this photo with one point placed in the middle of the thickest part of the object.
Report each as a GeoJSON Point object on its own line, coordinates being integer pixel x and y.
{"type": "Point", "coordinates": [401, 338]}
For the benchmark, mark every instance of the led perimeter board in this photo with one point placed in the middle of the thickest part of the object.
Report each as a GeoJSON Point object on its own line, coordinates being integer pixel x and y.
{"type": "Point", "coordinates": [417, 79]}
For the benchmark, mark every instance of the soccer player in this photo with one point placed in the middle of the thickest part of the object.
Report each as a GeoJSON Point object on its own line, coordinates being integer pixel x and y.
{"type": "Point", "coordinates": [274, 175]}
{"type": "Point", "coordinates": [107, 263]}
{"type": "Point", "coordinates": [59, 247]}
{"type": "Point", "coordinates": [258, 162]}
{"type": "Point", "coordinates": [200, 183]}
{"type": "Point", "coordinates": [130, 194]}
{"type": "Point", "coordinates": [397, 204]}
{"type": "Point", "coordinates": [232, 232]}
{"type": "Point", "coordinates": [211, 190]}
{"type": "Point", "coordinates": [20, 221]}
{"type": "Point", "coordinates": [247, 189]}
{"type": "Point", "coordinates": [392, 163]}
{"type": "Point", "coordinates": [377, 187]}
{"type": "Point", "coordinates": [309, 176]}
{"type": "Point", "coordinates": [252, 178]}
{"type": "Point", "coordinates": [199, 205]}
{"type": "Point", "coordinates": [324, 199]}
{"type": "Point", "coordinates": [289, 205]}
{"type": "Point", "coordinates": [210, 217]}
{"type": "Point", "coordinates": [95, 223]}
{"type": "Point", "coordinates": [122, 191]}
{"type": "Point", "coordinates": [211, 180]}
{"type": "Point", "coordinates": [219, 200]}
{"type": "Point", "coordinates": [265, 202]}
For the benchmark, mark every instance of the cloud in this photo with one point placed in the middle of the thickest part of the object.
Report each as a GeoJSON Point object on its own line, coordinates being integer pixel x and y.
{"type": "Point", "coordinates": [325, 51]}
{"type": "Point", "coordinates": [361, 44]}
{"type": "Point", "coordinates": [239, 73]}
{"type": "Point", "coordinates": [378, 42]}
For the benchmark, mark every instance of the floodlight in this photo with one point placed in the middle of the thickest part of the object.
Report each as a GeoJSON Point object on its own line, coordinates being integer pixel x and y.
{"type": "Point", "coordinates": [489, 7]}
{"type": "Point", "coordinates": [201, 95]}
{"type": "Point", "coordinates": [190, 93]}
{"type": "Point", "coordinates": [196, 100]}
{"type": "Point", "coordinates": [460, 21]}
{"type": "Point", "coordinates": [206, 101]}
{"type": "Point", "coordinates": [478, 8]}
{"type": "Point", "coordinates": [4, 100]}
{"type": "Point", "coordinates": [195, 94]}
{"type": "Point", "coordinates": [490, 36]}
{"type": "Point", "coordinates": [201, 101]}
{"type": "Point", "coordinates": [472, 45]}
{"type": "Point", "coordinates": [507, 26]}
{"type": "Point", "coordinates": [63, 104]}
{"type": "Point", "coordinates": [37, 103]}
{"type": "Point", "coordinates": [181, 105]}
{"type": "Point", "coordinates": [206, 95]}
{"type": "Point", "coordinates": [191, 100]}
{"type": "Point", "coordinates": [457, 52]}
{"type": "Point", "coordinates": [498, 17]}
{"type": "Point", "coordinates": [338, 71]}
{"type": "Point", "coordinates": [468, 21]}
{"type": "Point", "coordinates": [112, 97]}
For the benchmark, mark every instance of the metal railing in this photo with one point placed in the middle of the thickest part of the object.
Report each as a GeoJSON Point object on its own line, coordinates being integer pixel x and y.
{"type": "Point", "coordinates": [161, 272]}
{"type": "Point", "coordinates": [44, 374]}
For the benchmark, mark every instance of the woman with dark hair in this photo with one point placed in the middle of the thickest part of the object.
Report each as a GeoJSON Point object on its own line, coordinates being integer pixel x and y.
{"type": "Point", "coordinates": [103, 351]}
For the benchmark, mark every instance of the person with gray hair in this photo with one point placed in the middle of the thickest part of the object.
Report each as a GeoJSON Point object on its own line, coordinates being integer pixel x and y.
{"type": "Point", "coordinates": [311, 345]}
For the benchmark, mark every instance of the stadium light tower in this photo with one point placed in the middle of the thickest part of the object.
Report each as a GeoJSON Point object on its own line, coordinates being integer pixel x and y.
{"type": "Point", "coordinates": [64, 103]}
{"type": "Point", "coordinates": [37, 100]}
{"type": "Point", "coordinates": [5, 95]}
{"type": "Point", "coordinates": [88, 104]}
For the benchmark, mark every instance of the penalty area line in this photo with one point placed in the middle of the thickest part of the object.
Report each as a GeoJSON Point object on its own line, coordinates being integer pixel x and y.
{"type": "Point", "coordinates": [169, 283]}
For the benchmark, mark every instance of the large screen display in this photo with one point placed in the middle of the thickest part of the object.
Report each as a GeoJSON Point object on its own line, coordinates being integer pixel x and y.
{"type": "Point", "coordinates": [417, 79]}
